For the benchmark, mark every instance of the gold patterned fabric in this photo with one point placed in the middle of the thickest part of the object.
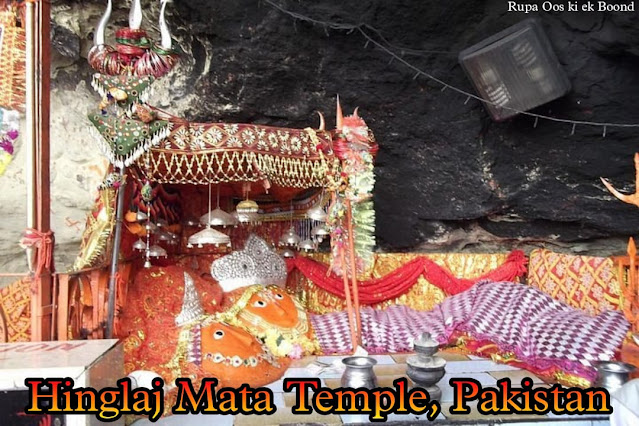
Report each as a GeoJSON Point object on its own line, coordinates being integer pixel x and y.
{"type": "Point", "coordinates": [422, 296]}
{"type": "Point", "coordinates": [585, 282]}
{"type": "Point", "coordinates": [97, 233]}
{"type": "Point", "coordinates": [199, 153]}
{"type": "Point", "coordinates": [15, 312]}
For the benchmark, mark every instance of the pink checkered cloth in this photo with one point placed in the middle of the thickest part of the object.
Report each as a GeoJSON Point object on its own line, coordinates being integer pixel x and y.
{"type": "Point", "coordinates": [517, 318]}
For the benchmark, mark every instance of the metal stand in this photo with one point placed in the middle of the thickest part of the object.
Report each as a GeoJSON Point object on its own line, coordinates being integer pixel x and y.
{"type": "Point", "coordinates": [115, 255]}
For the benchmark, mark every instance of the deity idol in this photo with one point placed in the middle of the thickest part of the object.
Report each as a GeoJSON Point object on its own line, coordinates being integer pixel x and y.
{"type": "Point", "coordinates": [220, 350]}
{"type": "Point", "coordinates": [254, 301]}
{"type": "Point", "coordinates": [178, 336]}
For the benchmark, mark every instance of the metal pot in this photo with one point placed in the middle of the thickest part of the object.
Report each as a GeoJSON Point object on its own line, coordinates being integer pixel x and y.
{"type": "Point", "coordinates": [423, 377]}
{"type": "Point", "coordinates": [426, 345]}
{"type": "Point", "coordinates": [359, 372]}
{"type": "Point", "coordinates": [425, 371]}
{"type": "Point", "coordinates": [613, 374]}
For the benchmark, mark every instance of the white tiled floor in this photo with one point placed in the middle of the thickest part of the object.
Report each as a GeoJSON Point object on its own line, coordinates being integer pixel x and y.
{"type": "Point", "coordinates": [485, 371]}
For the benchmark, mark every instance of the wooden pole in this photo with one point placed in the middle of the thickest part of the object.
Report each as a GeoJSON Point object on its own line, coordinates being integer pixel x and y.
{"type": "Point", "coordinates": [632, 273]}
{"type": "Point", "coordinates": [30, 143]}
{"type": "Point", "coordinates": [632, 299]}
{"type": "Point", "coordinates": [351, 244]}
{"type": "Point", "coordinates": [349, 305]}
{"type": "Point", "coordinates": [38, 40]}
{"type": "Point", "coordinates": [347, 293]}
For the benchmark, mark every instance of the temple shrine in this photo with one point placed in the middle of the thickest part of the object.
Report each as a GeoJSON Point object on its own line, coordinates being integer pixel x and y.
{"type": "Point", "coordinates": [247, 253]}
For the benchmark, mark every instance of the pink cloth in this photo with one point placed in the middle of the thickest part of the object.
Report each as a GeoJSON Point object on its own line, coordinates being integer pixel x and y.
{"type": "Point", "coordinates": [517, 318]}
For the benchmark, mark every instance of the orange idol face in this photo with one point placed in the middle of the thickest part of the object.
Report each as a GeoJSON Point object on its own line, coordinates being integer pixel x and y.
{"type": "Point", "coordinates": [232, 355]}
{"type": "Point", "coordinates": [276, 317]}
{"type": "Point", "coordinates": [222, 344]}
{"type": "Point", "coordinates": [274, 306]}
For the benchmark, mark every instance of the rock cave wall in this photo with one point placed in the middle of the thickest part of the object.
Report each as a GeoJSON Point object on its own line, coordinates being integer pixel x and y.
{"type": "Point", "coordinates": [448, 177]}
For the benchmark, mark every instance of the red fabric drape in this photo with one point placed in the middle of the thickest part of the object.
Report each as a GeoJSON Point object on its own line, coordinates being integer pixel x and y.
{"type": "Point", "coordinates": [399, 281]}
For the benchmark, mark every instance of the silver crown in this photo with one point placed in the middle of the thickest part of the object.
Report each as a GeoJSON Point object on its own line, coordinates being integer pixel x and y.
{"type": "Point", "coordinates": [258, 263]}
{"type": "Point", "coordinates": [191, 306]}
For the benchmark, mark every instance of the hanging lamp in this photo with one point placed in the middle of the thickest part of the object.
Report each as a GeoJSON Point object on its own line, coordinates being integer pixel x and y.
{"type": "Point", "coordinates": [218, 217]}
{"type": "Point", "coordinates": [140, 216]}
{"type": "Point", "coordinates": [288, 253]}
{"type": "Point", "coordinates": [208, 235]}
{"type": "Point", "coordinates": [307, 243]}
{"type": "Point", "coordinates": [317, 213]}
{"type": "Point", "coordinates": [157, 251]}
{"type": "Point", "coordinates": [320, 232]}
{"type": "Point", "coordinates": [163, 235]}
{"type": "Point", "coordinates": [139, 245]}
{"type": "Point", "coordinates": [247, 211]}
{"type": "Point", "coordinates": [173, 239]}
{"type": "Point", "coordinates": [290, 237]}
{"type": "Point", "coordinates": [191, 221]}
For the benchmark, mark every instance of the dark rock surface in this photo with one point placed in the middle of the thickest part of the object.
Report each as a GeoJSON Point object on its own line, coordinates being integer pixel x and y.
{"type": "Point", "coordinates": [447, 176]}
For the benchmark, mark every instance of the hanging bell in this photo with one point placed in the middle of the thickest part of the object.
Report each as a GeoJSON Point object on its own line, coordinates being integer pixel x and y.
{"type": "Point", "coordinates": [247, 211]}
{"type": "Point", "coordinates": [290, 238]}
{"type": "Point", "coordinates": [288, 253]}
{"type": "Point", "coordinates": [307, 245]}
{"type": "Point", "coordinates": [316, 213]}
{"type": "Point", "coordinates": [320, 232]}
{"type": "Point", "coordinates": [139, 245]}
{"type": "Point", "coordinates": [218, 217]}
{"type": "Point", "coordinates": [157, 251]}
{"type": "Point", "coordinates": [208, 236]}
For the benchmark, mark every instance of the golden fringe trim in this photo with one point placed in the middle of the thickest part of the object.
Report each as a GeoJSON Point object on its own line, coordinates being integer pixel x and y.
{"type": "Point", "coordinates": [233, 165]}
{"type": "Point", "coordinates": [571, 380]}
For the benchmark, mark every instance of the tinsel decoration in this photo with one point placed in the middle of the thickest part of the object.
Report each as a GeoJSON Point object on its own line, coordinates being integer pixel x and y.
{"type": "Point", "coordinates": [12, 59]}
{"type": "Point", "coordinates": [112, 180]}
{"type": "Point", "coordinates": [364, 223]}
{"type": "Point", "coordinates": [97, 232]}
{"type": "Point", "coordinates": [355, 147]}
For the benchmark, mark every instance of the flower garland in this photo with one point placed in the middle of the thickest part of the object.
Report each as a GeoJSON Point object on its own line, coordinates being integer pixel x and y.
{"type": "Point", "coordinates": [293, 342]}
{"type": "Point", "coordinates": [8, 134]}
{"type": "Point", "coordinates": [354, 146]}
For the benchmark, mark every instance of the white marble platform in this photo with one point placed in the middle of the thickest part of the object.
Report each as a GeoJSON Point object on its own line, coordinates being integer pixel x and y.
{"type": "Point", "coordinates": [388, 368]}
